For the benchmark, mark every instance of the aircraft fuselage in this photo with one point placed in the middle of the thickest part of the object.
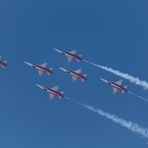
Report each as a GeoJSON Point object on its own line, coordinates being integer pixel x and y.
{"type": "Point", "coordinates": [43, 68]}
{"type": "Point", "coordinates": [55, 93]}
{"type": "Point", "coordinates": [78, 75]}
{"type": "Point", "coordinates": [119, 87]}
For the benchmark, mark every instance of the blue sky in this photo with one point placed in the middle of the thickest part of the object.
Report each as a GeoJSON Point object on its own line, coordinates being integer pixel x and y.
{"type": "Point", "coordinates": [108, 32]}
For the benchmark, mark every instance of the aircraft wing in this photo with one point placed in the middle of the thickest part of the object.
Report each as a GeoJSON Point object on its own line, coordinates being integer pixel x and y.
{"type": "Point", "coordinates": [73, 52]}
{"type": "Point", "coordinates": [51, 96]}
{"type": "Point", "coordinates": [55, 88]}
{"type": "Point", "coordinates": [78, 71]}
{"type": "Point", "coordinates": [115, 90]}
{"type": "Point", "coordinates": [40, 72]}
{"type": "Point", "coordinates": [69, 59]}
{"type": "Point", "coordinates": [44, 65]}
{"type": "Point", "coordinates": [119, 82]}
{"type": "Point", "coordinates": [74, 78]}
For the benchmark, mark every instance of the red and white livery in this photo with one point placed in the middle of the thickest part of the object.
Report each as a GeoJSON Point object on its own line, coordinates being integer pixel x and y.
{"type": "Point", "coordinates": [53, 92]}
{"type": "Point", "coordinates": [117, 86]}
{"type": "Point", "coordinates": [41, 68]}
{"type": "Point", "coordinates": [70, 55]}
{"type": "Point", "coordinates": [77, 74]}
{"type": "Point", "coordinates": [3, 64]}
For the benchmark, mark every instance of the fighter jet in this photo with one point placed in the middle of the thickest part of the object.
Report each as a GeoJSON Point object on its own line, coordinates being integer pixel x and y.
{"type": "Point", "coordinates": [3, 64]}
{"type": "Point", "coordinates": [75, 74]}
{"type": "Point", "coordinates": [117, 86]}
{"type": "Point", "coordinates": [70, 55]}
{"type": "Point", "coordinates": [41, 68]}
{"type": "Point", "coordinates": [53, 92]}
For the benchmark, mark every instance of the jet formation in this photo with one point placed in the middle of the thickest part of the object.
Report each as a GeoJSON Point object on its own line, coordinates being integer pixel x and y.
{"type": "Point", "coordinates": [75, 74]}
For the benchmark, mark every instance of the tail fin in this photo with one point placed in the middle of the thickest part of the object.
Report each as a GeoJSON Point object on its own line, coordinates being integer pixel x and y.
{"type": "Point", "coordinates": [51, 69]}
{"type": "Point", "coordinates": [80, 58]}
{"type": "Point", "coordinates": [85, 75]}
{"type": "Point", "coordinates": [125, 87]}
{"type": "Point", "coordinates": [123, 91]}
{"type": "Point", "coordinates": [62, 94]}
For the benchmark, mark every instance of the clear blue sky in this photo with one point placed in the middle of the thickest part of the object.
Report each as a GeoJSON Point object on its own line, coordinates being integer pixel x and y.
{"type": "Point", "coordinates": [109, 32]}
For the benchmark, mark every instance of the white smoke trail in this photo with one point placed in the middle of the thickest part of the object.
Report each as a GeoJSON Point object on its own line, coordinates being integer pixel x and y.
{"type": "Point", "coordinates": [135, 128]}
{"type": "Point", "coordinates": [131, 78]}
{"type": "Point", "coordinates": [127, 124]}
{"type": "Point", "coordinates": [140, 97]}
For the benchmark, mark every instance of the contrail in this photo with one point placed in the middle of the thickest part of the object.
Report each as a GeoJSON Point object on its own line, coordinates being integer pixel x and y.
{"type": "Point", "coordinates": [140, 97]}
{"type": "Point", "coordinates": [132, 79]}
{"type": "Point", "coordinates": [135, 128]}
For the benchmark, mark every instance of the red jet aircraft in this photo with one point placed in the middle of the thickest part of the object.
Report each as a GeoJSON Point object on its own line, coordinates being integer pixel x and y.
{"type": "Point", "coordinates": [116, 85]}
{"type": "Point", "coordinates": [52, 91]}
{"type": "Point", "coordinates": [70, 55]}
